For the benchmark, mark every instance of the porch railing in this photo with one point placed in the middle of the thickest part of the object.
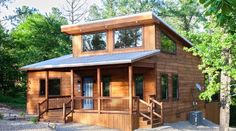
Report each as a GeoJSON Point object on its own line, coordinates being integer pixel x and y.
{"type": "Point", "coordinates": [42, 108]}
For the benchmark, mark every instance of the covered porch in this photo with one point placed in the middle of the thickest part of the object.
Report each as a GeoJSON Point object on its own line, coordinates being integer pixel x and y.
{"type": "Point", "coordinates": [125, 87]}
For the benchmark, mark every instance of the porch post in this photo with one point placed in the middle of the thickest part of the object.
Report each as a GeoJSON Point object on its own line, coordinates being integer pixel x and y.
{"type": "Point", "coordinates": [99, 88]}
{"type": "Point", "coordinates": [72, 88]}
{"type": "Point", "coordinates": [46, 88]}
{"type": "Point", "coordinates": [130, 70]}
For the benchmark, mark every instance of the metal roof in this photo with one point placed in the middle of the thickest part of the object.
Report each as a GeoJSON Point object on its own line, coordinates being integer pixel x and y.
{"type": "Point", "coordinates": [95, 60]}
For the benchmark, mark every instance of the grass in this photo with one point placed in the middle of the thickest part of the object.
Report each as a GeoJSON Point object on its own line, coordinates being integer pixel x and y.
{"type": "Point", "coordinates": [14, 102]}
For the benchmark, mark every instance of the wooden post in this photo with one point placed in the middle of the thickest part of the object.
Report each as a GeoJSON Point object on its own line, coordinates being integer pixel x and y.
{"type": "Point", "coordinates": [72, 88]}
{"type": "Point", "coordinates": [99, 89]}
{"type": "Point", "coordinates": [130, 70]}
{"type": "Point", "coordinates": [151, 113]}
{"type": "Point", "coordinates": [64, 112]}
{"type": "Point", "coordinates": [38, 107]}
{"type": "Point", "coordinates": [46, 88]}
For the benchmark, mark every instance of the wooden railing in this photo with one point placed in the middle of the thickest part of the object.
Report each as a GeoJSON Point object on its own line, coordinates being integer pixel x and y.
{"type": "Point", "coordinates": [55, 102]}
{"type": "Point", "coordinates": [153, 108]}
{"type": "Point", "coordinates": [42, 108]}
{"type": "Point", "coordinates": [65, 110]}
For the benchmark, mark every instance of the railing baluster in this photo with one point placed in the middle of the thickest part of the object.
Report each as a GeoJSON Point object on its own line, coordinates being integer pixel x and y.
{"type": "Point", "coordinates": [151, 113]}
{"type": "Point", "coordinates": [64, 112]}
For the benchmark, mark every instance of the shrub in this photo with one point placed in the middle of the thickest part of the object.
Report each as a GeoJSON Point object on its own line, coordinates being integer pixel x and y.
{"type": "Point", "coordinates": [34, 120]}
{"type": "Point", "coordinates": [1, 116]}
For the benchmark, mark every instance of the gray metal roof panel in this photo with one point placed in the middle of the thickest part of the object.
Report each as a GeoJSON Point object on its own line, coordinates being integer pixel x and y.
{"type": "Point", "coordinates": [94, 60]}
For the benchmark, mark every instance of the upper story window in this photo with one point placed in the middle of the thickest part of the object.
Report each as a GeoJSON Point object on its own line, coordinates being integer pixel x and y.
{"type": "Point", "coordinates": [128, 38]}
{"type": "Point", "coordinates": [94, 41]}
{"type": "Point", "coordinates": [167, 44]}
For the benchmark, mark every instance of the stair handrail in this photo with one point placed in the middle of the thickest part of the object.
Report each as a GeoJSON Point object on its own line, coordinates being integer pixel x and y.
{"type": "Point", "coordinates": [153, 101]}
{"type": "Point", "coordinates": [40, 113]}
{"type": "Point", "coordinates": [149, 106]}
{"type": "Point", "coordinates": [64, 113]}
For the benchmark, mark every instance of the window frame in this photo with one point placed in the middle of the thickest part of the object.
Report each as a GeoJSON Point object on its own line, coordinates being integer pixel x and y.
{"type": "Point", "coordinates": [109, 85]}
{"type": "Point", "coordinates": [143, 83]}
{"type": "Point", "coordinates": [49, 86]}
{"type": "Point", "coordinates": [91, 51]}
{"type": "Point", "coordinates": [40, 95]}
{"type": "Point", "coordinates": [172, 80]}
{"type": "Point", "coordinates": [170, 37]}
{"type": "Point", "coordinates": [126, 28]}
{"type": "Point", "coordinates": [167, 89]}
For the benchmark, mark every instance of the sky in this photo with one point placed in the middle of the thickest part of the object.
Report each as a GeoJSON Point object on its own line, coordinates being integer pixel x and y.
{"type": "Point", "coordinates": [43, 6]}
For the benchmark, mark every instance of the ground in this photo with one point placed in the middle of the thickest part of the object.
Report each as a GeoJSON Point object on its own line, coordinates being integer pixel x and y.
{"type": "Point", "coordinates": [10, 123]}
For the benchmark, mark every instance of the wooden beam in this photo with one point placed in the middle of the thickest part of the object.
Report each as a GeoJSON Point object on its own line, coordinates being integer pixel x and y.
{"type": "Point", "coordinates": [130, 76]}
{"type": "Point", "coordinates": [46, 87]}
{"type": "Point", "coordinates": [99, 88]}
{"type": "Point", "coordinates": [72, 88]}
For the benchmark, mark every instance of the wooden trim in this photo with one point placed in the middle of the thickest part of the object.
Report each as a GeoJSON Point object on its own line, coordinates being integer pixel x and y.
{"type": "Point", "coordinates": [99, 88]}
{"type": "Point", "coordinates": [72, 88]}
{"type": "Point", "coordinates": [130, 76]}
{"type": "Point", "coordinates": [46, 88]}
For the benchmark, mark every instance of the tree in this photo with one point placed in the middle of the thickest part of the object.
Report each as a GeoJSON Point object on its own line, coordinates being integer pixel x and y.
{"type": "Point", "coordinates": [8, 68]}
{"type": "Point", "coordinates": [218, 55]}
{"type": "Point", "coordinates": [183, 15]}
{"type": "Point", "coordinates": [75, 10]}
{"type": "Point", "coordinates": [21, 14]}
{"type": "Point", "coordinates": [39, 38]}
{"type": "Point", "coordinates": [111, 8]}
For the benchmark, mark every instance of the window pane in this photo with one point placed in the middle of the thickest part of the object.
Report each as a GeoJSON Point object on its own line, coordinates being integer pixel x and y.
{"type": "Point", "coordinates": [139, 86]}
{"type": "Point", "coordinates": [175, 86]}
{"type": "Point", "coordinates": [93, 42]}
{"type": "Point", "coordinates": [54, 87]}
{"type": "Point", "coordinates": [164, 86]}
{"type": "Point", "coordinates": [42, 87]}
{"type": "Point", "coordinates": [106, 86]}
{"type": "Point", "coordinates": [128, 38]}
{"type": "Point", "coordinates": [167, 44]}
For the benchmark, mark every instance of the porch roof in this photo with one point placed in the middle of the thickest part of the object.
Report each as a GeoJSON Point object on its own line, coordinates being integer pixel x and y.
{"type": "Point", "coordinates": [94, 60]}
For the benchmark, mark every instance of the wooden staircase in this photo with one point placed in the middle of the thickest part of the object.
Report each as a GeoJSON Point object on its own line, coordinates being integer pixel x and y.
{"type": "Point", "coordinates": [61, 114]}
{"type": "Point", "coordinates": [55, 116]}
{"type": "Point", "coordinates": [152, 116]}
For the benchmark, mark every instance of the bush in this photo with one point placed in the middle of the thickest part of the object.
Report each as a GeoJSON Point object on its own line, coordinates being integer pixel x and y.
{"type": "Point", "coordinates": [1, 116]}
{"type": "Point", "coordinates": [34, 120]}
{"type": "Point", "coordinates": [22, 114]}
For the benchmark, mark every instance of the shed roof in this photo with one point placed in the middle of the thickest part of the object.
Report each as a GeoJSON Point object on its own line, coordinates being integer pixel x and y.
{"type": "Point", "coordinates": [121, 22]}
{"type": "Point", "coordinates": [95, 60]}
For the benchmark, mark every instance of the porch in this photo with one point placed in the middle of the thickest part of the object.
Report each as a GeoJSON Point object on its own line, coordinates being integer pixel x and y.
{"type": "Point", "coordinates": [122, 103]}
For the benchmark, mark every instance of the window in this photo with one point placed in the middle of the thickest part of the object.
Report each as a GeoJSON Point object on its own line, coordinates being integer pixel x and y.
{"type": "Point", "coordinates": [139, 86]}
{"type": "Point", "coordinates": [128, 38]}
{"type": "Point", "coordinates": [175, 84]}
{"type": "Point", "coordinates": [164, 86]}
{"type": "Point", "coordinates": [167, 44]}
{"type": "Point", "coordinates": [53, 87]}
{"type": "Point", "coordinates": [42, 87]}
{"type": "Point", "coordinates": [106, 86]}
{"type": "Point", "coordinates": [95, 41]}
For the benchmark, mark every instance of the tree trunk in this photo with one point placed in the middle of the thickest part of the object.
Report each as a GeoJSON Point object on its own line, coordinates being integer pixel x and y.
{"type": "Point", "coordinates": [225, 94]}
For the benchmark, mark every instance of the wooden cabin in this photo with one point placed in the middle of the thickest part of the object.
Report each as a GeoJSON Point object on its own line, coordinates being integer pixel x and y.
{"type": "Point", "coordinates": [125, 72]}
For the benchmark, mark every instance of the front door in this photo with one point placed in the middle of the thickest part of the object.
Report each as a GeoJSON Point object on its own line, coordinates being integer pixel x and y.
{"type": "Point", "coordinates": [88, 92]}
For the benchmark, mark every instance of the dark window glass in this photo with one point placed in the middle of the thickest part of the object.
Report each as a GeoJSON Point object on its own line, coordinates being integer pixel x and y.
{"type": "Point", "coordinates": [95, 41]}
{"type": "Point", "coordinates": [106, 86]}
{"type": "Point", "coordinates": [139, 86]}
{"type": "Point", "coordinates": [42, 87]}
{"type": "Point", "coordinates": [175, 83]}
{"type": "Point", "coordinates": [164, 86]}
{"type": "Point", "coordinates": [54, 87]}
{"type": "Point", "coordinates": [128, 38]}
{"type": "Point", "coordinates": [167, 44]}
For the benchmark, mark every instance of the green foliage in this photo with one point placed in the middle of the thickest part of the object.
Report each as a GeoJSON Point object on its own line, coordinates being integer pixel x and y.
{"type": "Point", "coordinates": [39, 38]}
{"type": "Point", "coordinates": [34, 120]}
{"type": "Point", "coordinates": [14, 102]}
{"type": "Point", "coordinates": [1, 116]}
{"type": "Point", "coordinates": [22, 114]}
{"type": "Point", "coordinates": [111, 8]}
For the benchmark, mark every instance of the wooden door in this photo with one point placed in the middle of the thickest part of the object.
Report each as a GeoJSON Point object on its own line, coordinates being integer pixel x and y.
{"type": "Point", "coordinates": [88, 92]}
